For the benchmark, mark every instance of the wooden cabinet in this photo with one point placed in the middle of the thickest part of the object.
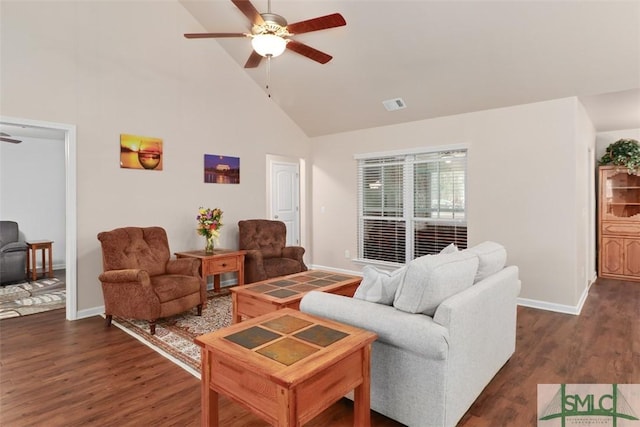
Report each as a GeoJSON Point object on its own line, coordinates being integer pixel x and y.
{"type": "Point", "coordinates": [619, 223]}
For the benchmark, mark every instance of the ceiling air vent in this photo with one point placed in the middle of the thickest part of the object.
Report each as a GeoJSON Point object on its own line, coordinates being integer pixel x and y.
{"type": "Point", "coordinates": [394, 104]}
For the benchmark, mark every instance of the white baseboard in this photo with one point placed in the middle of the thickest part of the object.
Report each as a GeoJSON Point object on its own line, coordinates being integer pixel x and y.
{"type": "Point", "coordinates": [526, 302]}
{"type": "Point", "coordinates": [99, 311]}
{"type": "Point", "coordinates": [90, 312]}
{"type": "Point", "coordinates": [559, 308]}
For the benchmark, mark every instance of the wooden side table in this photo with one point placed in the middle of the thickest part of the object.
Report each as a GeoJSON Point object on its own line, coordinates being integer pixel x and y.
{"type": "Point", "coordinates": [221, 261]}
{"type": "Point", "coordinates": [46, 247]}
{"type": "Point", "coordinates": [286, 367]}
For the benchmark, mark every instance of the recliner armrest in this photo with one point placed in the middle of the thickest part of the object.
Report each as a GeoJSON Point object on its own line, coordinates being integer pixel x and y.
{"type": "Point", "coordinates": [293, 252]}
{"type": "Point", "coordinates": [14, 247]}
{"type": "Point", "coordinates": [184, 266]}
{"type": "Point", "coordinates": [125, 276]}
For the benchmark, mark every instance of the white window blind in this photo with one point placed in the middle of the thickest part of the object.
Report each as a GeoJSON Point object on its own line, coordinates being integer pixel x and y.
{"type": "Point", "coordinates": [411, 205]}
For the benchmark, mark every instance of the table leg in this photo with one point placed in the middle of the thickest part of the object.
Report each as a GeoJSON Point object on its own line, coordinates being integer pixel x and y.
{"type": "Point", "coordinates": [235, 316]}
{"type": "Point", "coordinates": [34, 267]}
{"type": "Point", "coordinates": [28, 264]}
{"type": "Point", "coordinates": [50, 262]}
{"type": "Point", "coordinates": [44, 265]}
{"type": "Point", "coordinates": [361, 394]}
{"type": "Point", "coordinates": [241, 272]}
{"type": "Point", "coordinates": [216, 282]}
{"type": "Point", "coordinates": [209, 398]}
{"type": "Point", "coordinates": [287, 416]}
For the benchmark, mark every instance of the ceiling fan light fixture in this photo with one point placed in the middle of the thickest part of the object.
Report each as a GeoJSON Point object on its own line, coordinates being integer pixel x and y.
{"type": "Point", "coordinates": [268, 44]}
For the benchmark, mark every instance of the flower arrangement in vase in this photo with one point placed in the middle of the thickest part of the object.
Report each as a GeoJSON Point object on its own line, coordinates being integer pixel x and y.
{"type": "Point", "coordinates": [209, 223]}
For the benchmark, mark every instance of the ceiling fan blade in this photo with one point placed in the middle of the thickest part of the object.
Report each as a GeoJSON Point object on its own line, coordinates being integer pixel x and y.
{"type": "Point", "coordinates": [254, 60]}
{"type": "Point", "coordinates": [309, 52]}
{"type": "Point", "coordinates": [14, 141]}
{"type": "Point", "coordinates": [213, 35]}
{"type": "Point", "coordinates": [249, 11]}
{"type": "Point", "coordinates": [315, 24]}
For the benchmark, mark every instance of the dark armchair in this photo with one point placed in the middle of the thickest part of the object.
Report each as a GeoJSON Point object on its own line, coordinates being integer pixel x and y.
{"type": "Point", "coordinates": [267, 256]}
{"type": "Point", "coordinates": [13, 253]}
{"type": "Point", "coordinates": [140, 281]}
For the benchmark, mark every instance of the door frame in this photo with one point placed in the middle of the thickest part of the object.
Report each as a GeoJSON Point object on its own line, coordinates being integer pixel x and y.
{"type": "Point", "coordinates": [273, 159]}
{"type": "Point", "coordinates": [71, 257]}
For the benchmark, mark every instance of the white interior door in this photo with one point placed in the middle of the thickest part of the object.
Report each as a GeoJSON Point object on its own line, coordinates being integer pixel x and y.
{"type": "Point", "coordinates": [285, 198]}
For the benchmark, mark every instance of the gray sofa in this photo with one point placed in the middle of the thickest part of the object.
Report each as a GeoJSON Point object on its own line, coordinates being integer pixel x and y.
{"type": "Point", "coordinates": [427, 370]}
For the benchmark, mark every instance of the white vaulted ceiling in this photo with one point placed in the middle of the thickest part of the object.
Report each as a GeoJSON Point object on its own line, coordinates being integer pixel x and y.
{"type": "Point", "coordinates": [444, 58]}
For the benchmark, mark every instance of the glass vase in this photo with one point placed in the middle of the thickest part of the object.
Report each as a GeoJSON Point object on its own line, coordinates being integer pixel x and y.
{"type": "Point", "coordinates": [209, 246]}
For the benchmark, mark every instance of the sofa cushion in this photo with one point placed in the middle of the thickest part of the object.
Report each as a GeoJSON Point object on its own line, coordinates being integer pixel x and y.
{"type": "Point", "coordinates": [450, 249]}
{"type": "Point", "coordinates": [379, 286]}
{"type": "Point", "coordinates": [431, 279]}
{"type": "Point", "coordinates": [492, 257]}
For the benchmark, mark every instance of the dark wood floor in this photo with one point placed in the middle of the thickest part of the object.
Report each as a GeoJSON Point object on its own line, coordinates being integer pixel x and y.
{"type": "Point", "coordinates": [59, 373]}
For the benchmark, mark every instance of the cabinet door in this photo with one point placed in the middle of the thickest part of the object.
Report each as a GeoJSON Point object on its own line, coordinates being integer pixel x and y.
{"type": "Point", "coordinates": [632, 257]}
{"type": "Point", "coordinates": [612, 256]}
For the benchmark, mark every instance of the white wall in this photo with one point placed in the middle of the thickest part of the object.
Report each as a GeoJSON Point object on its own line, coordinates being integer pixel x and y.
{"type": "Point", "coordinates": [585, 207]}
{"type": "Point", "coordinates": [124, 67]}
{"type": "Point", "coordinates": [522, 189]}
{"type": "Point", "coordinates": [32, 191]}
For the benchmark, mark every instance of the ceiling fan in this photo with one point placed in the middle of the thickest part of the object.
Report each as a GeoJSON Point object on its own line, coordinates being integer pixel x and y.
{"type": "Point", "coordinates": [5, 137]}
{"type": "Point", "coordinates": [270, 34]}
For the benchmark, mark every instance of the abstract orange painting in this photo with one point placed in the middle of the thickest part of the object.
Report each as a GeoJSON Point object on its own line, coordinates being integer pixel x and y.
{"type": "Point", "coordinates": [140, 152]}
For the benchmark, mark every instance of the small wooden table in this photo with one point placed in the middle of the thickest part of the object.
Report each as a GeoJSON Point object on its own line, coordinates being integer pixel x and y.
{"type": "Point", "coordinates": [44, 246]}
{"type": "Point", "coordinates": [286, 367]}
{"type": "Point", "coordinates": [274, 294]}
{"type": "Point", "coordinates": [221, 261]}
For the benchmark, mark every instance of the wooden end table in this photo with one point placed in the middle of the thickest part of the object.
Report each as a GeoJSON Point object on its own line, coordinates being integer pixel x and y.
{"type": "Point", "coordinates": [286, 367]}
{"type": "Point", "coordinates": [46, 247]}
{"type": "Point", "coordinates": [221, 261]}
{"type": "Point", "coordinates": [274, 294]}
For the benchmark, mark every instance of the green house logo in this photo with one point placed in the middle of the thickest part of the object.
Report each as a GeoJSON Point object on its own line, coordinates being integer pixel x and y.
{"type": "Point", "coordinates": [589, 405]}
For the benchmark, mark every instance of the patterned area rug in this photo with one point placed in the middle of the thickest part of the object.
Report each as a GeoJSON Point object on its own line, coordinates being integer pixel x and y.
{"type": "Point", "coordinates": [174, 335]}
{"type": "Point", "coordinates": [29, 298]}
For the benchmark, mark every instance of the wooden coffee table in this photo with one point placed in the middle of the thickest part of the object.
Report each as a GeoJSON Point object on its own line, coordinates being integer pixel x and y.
{"type": "Point", "coordinates": [270, 295]}
{"type": "Point", "coordinates": [286, 367]}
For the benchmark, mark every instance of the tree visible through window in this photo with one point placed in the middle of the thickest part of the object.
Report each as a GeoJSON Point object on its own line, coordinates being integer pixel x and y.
{"type": "Point", "coordinates": [411, 205]}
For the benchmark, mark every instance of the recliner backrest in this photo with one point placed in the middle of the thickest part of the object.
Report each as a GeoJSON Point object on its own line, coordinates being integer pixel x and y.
{"type": "Point", "coordinates": [267, 236]}
{"type": "Point", "coordinates": [145, 248]}
{"type": "Point", "coordinates": [8, 232]}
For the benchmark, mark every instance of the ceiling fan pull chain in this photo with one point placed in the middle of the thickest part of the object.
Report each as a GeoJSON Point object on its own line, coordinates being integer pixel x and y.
{"type": "Point", "coordinates": [268, 75]}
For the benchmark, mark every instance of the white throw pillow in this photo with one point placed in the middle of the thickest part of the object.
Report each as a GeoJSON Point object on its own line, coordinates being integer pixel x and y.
{"type": "Point", "coordinates": [451, 249]}
{"type": "Point", "coordinates": [431, 279]}
{"type": "Point", "coordinates": [379, 286]}
{"type": "Point", "coordinates": [493, 257]}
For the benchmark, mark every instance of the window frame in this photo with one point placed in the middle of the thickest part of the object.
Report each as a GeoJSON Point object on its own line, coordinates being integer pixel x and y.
{"type": "Point", "coordinates": [408, 216]}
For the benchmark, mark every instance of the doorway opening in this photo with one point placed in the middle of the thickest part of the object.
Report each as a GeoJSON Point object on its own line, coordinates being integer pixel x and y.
{"type": "Point", "coordinates": [69, 134]}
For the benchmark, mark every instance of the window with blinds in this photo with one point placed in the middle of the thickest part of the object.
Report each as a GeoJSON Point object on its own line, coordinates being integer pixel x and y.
{"type": "Point", "coordinates": [411, 204]}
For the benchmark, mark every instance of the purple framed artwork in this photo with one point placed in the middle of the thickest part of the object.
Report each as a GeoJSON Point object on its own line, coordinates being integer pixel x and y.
{"type": "Point", "coordinates": [221, 169]}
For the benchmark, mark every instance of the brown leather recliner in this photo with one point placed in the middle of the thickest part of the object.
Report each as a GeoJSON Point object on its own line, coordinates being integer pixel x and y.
{"type": "Point", "coordinates": [140, 281]}
{"type": "Point", "coordinates": [267, 256]}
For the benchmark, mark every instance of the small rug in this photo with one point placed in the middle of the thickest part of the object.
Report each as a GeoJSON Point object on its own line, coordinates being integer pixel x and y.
{"type": "Point", "coordinates": [174, 335]}
{"type": "Point", "coordinates": [29, 298]}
